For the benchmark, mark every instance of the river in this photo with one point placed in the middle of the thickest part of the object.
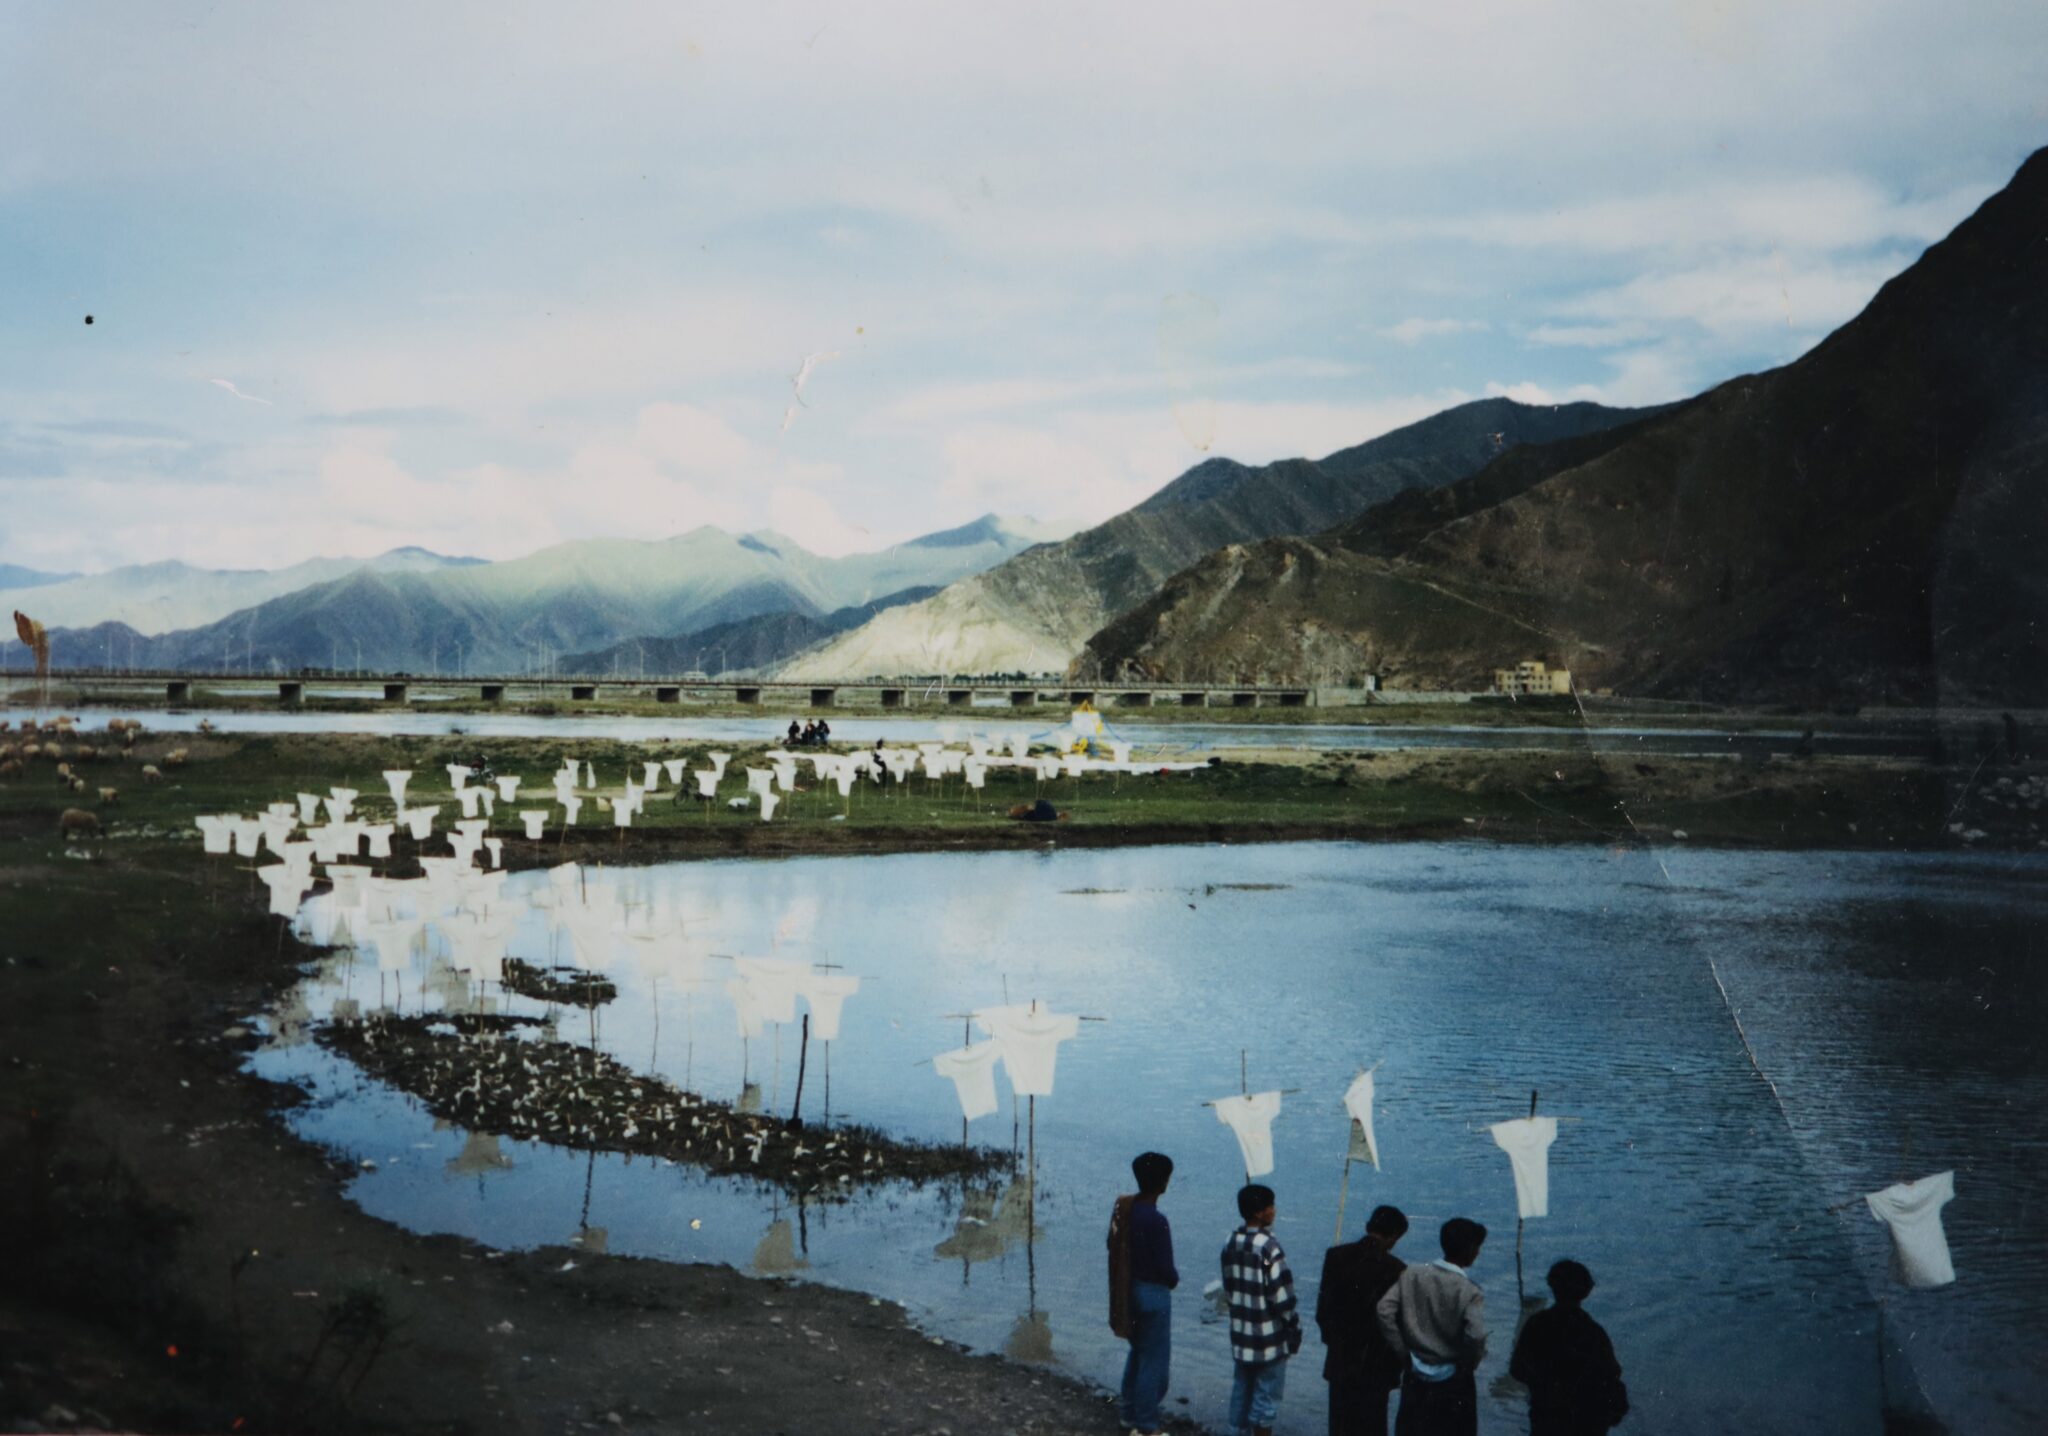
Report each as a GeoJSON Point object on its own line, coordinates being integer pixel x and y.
{"type": "Point", "coordinates": [1894, 1001]}
{"type": "Point", "coordinates": [1152, 738]}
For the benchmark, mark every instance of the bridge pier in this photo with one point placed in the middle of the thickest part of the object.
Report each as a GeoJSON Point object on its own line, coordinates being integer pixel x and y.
{"type": "Point", "coordinates": [493, 692]}
{"type": "Point", "coordinates": [1023, 698]}
{"type": "Point", "coordinates": [291, 694]}
{"type": "Point", "coordinates": [668, 693]}
{"type": "Point", "coordinates": [959, 697]}
{"type": "Point", "coordinates": [1194, 700]}
{"type": "Point", "coordinates": [892, 697]}
{"type": "Point", "coordinates": [747, 695]}
{"type": "Point", "coordinates": [394, 693]}
{"type": "Point", "coordinates": [1244, 700]}
{"type": "Point", "coordinates": [1296, 699]}
{"type": "Point", "coordinates": [1134, 700]}
{"type": "Point", "coordinates": [582, 692]}
{"type": "Point", "coordinates": [1080, 696]}
{"type": "Point", "coordinates": [823, 697]}
{"type": "Point", "coordinates": [177, 691]}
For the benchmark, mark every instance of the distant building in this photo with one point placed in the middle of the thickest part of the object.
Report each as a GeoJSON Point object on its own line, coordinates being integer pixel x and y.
{"type": "Point", "coordinates": [1531, 679]}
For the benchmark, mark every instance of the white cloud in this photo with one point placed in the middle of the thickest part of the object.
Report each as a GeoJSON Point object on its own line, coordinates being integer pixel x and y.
{"type": "Point", "coordinates": [1589, 336]}
{"type": "Point", "coordinates": [1410, 331]}
{"type": "Point", "coordinates": [1742, 296]}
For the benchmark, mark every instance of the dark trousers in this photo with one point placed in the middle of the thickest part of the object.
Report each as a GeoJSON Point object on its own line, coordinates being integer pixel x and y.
{"type": "Point", "coordinates": [1438, 1408]}
{"type": "Point", "coordinates": [1357, 1407]}
{"type": "Point", "coordinates": [1147, 1368]}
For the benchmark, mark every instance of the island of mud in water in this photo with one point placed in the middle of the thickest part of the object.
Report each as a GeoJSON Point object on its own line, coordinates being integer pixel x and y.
{"type": "Point", "coordinates": [498, 1075]}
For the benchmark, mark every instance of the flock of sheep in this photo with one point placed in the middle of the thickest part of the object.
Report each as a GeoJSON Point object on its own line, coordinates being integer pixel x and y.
{"type": "Point", "coordinates": [56, 741]}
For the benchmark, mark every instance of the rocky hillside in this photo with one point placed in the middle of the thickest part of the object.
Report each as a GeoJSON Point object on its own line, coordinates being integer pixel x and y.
{"type": "Point", "coordinates": [1034, 612]}
{"type": "Point", "coordinates": [1863, 524]}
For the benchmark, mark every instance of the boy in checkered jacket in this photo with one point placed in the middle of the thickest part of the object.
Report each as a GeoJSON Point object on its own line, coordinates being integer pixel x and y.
{"type": "Point", "coordinates": [1265, 1328]}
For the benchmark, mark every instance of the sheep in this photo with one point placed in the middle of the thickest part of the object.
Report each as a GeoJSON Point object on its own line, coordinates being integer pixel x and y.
{"type": "Point", "coordinates": [109, 797]}
{"type": "Point", "coordinates": [77, 822]}
{"type": "Point", "coordinates": [151, 773]}
{"type": "Point", "coordinates": [175, 758]}
{"type": "Point", "coordinates": [77, 785]}
{"type": "Point", "coordinates": [63, 774]}
{"type": "Point", "coordinates": [30, 750]}
{"type": "Point", "coordinates": [10, 768]}
{"type": "Point", "coordinates": [85, 752]}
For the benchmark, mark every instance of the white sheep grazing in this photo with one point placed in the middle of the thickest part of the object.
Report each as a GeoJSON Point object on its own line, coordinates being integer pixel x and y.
{"type": "Point", "coordinates": [175, 758]}
{"type": "Point", "coordinates": [151, 773]}
{"type": "Point", "coordinates": [109, 797]}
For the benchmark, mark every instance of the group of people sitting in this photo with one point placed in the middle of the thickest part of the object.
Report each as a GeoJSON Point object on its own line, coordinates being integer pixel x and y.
{"type": "Point", "coordinates": [816, 733]}
{"type": "Point", "coordinates": [1386, 1326]}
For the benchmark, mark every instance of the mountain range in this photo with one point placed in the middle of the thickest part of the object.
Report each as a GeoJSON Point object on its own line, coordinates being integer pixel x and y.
{"type": "Point", "coordinates": [154, 598]}
{"type": "Point", "coordinates": [1034, 612]}
{"type": "Point", "coordinates": [426, 613]}
{"type": "Point", "coordinates": [1863, 524]}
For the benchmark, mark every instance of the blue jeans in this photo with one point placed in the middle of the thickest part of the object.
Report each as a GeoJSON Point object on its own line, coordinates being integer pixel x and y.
{"type": "Point", "coordinates": [1145, 1368]}
{"type": "Point", "coordinates": [1255, 1391]}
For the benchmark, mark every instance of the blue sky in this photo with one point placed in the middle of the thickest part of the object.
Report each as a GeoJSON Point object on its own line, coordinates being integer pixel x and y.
{"type": "Point", "coordinates": [486, 277]}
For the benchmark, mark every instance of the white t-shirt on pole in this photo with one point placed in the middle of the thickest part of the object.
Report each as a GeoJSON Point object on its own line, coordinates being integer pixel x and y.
{"type": "Point", "coordinates": [972, 1070]}
{"type": "Point", "coordinates": [1030, 1043]}
{"type": "Point", "coordinates": [1527, 1141]}
{"type": "Point", "coordinates": [1358, 1102]}
{"type": "Point", "coordinates": [1912, 1212]}
{"type": "Point", "coordinates": [1250, 1120]}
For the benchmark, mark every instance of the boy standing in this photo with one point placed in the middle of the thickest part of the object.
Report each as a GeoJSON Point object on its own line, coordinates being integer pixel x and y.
{"type": "Point", "coordinates": [1567, 1362]}
{"type": "Point", "coordinates": [1142, 1278]}
{"type": "Point", "coordinates": [1437, 1315]}
{"type": "Point", "coordinates": [1265, 1328]}
{"type": "Point", "coordinates": [1361, 1368]}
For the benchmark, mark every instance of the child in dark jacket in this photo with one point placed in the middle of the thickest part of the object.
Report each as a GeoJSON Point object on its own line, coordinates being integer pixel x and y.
{"type": "Point", "coordinates": [1565, 1359]}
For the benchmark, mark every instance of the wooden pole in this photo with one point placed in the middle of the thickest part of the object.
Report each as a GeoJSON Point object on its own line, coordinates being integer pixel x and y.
{"type": "Point", "coordinates": [1521, 1295]}
{"type": "Point", "coordinates": [1343, 1191]}
{"type": "Point", "coordinates": [803, 1051]}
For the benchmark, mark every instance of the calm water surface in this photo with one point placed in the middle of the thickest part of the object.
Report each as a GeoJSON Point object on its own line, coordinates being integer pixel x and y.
{"type": "Point", "coordinates": [1895, 1001]}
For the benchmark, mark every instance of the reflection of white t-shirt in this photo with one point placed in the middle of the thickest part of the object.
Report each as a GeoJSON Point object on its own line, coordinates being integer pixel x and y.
{"type": "Point", "coordinates": [1527, 1141]}
{"type": "Point", "coordinates": [973, 1073]}
{"type": "Point", "coordinates": [773, 981]}
{"type": "Point", "coordinates": [745, 1006]}
{"type": "Point", "coordinates": [1358, 1102]}
{"type": "Point", "coordinates": [1250, 1120]}
{"type": "Point", "coordinates": [1912, 1211]}
{"type": "Point", "coordinates": [827, 993]}
{"type": "Point", "coordinates": [1030, 1043]}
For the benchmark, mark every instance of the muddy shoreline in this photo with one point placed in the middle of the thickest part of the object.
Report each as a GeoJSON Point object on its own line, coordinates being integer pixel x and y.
{"type": "Point", "coordinates": [175, 1260]}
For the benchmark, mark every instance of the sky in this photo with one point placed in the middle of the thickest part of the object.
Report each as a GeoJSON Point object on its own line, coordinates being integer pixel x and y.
{"type": "Point", "coordinates": [483, 278]}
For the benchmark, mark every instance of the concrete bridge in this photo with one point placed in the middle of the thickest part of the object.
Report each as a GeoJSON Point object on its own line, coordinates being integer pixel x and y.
{"type": "Point", "coordinates": [293, 689]}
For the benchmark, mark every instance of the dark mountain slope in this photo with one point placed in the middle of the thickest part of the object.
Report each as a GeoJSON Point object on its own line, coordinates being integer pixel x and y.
{"type": "Point", "coordinates": [1862, 524]}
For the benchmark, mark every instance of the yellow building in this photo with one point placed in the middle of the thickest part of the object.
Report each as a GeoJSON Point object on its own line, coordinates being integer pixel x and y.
{"type": "Point", "coordinates": [1530, 679]}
